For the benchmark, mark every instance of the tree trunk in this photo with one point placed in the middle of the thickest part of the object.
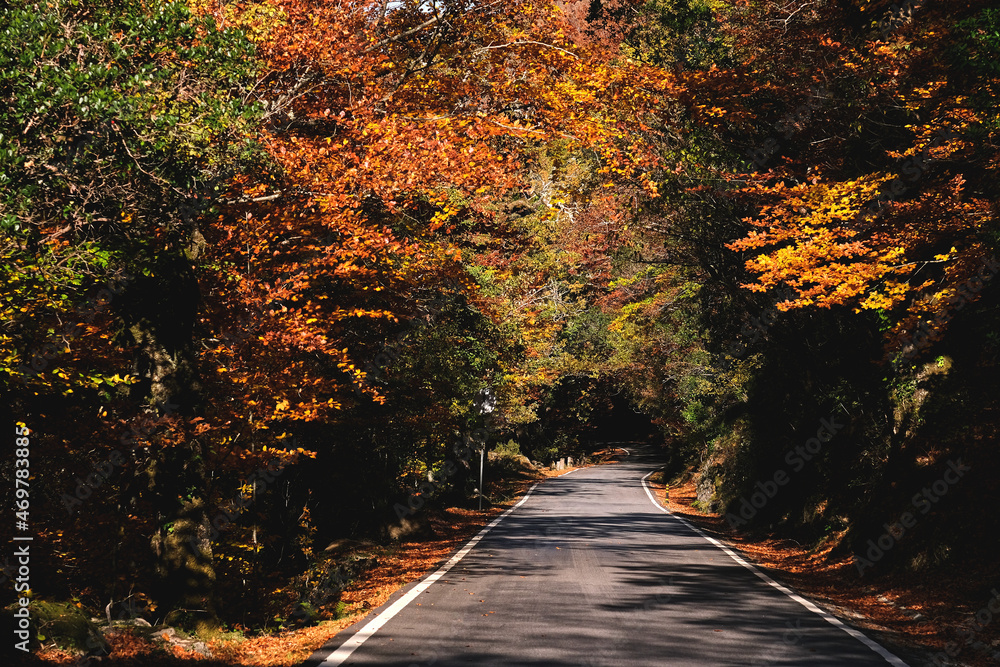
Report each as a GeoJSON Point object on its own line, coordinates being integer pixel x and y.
{"type": "Point", "coordinates": [160, 311]}
{"type": "Point", "coordinates": [182, 544]}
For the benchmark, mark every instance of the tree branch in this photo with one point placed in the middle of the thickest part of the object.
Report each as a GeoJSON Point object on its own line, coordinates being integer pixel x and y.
{"type": "Point", "coordinates": [395, 38]}
{"type": "Point", "coordinates": [523, 42]}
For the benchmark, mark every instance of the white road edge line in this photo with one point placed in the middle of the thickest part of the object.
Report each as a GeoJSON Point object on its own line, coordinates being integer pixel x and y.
{"type": "Point", "coordinates": [345, 650]}
{"type": "Point", "coordinates": [825, 615]}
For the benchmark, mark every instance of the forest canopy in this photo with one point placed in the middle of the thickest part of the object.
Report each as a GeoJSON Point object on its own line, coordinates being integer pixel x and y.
{"type": "Point", "coordinates": [279, 255]}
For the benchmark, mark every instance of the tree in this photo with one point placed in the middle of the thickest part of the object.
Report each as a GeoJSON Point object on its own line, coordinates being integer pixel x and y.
{"type": "Point", "coordinates": [120, 125]}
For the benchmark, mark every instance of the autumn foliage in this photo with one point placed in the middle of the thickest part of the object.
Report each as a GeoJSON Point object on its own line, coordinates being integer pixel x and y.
{"type": "Point", "coordinates": [276, 257]}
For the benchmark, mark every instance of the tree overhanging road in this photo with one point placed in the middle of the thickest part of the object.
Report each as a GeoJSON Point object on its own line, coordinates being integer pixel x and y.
{"type": "Point", "coordinates": [588, 571]}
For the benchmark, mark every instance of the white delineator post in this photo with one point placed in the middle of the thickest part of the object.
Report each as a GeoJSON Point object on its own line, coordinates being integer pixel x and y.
{"type": "Point", "coordinates": [482, 457]}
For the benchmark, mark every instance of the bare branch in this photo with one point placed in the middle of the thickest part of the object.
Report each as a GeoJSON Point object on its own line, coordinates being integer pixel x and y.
{"type": "Point", "coordinates": [395, 38]}
{"type": "Point", "coordinates": [524, 42]}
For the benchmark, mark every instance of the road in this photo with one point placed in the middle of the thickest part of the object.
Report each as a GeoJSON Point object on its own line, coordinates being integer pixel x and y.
{"type": "Point", "coordinates": [588, 571]}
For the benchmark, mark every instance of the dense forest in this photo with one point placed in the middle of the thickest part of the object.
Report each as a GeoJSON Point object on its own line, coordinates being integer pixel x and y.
{"type": "Point", "coordinates": [270, 271]}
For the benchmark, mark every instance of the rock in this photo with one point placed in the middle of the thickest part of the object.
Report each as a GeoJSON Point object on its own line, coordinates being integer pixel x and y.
{"type": "Point", "coordinates": [406, 528]}
{"type": "Point", "coordinates": [325, 582]}
{"type": "Point", "coordinates": [65, 625]}
{"type": "Point", "coordinates": [196, 646]}
{"type": "Point", "coordinates": [126, 623]}
{"type": "Point", "coordinates": [362, 564]}
{"type": "Point", "coordinates": [706, 490]}
{"type": "Point", "coordinates": [171, 637]}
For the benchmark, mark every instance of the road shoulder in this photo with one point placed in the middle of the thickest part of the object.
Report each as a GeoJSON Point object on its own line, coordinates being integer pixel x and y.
{"type": "Point", "coordinates": [867, 606]}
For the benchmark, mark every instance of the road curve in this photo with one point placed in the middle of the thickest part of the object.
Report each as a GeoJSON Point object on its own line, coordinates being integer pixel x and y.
{"type": "Point", "coordinates": [588, 571]}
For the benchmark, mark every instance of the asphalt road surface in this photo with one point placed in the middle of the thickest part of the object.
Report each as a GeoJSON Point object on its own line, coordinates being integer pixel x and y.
{"type": "Point", "coordinates": [588, 571]}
